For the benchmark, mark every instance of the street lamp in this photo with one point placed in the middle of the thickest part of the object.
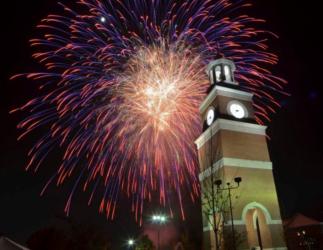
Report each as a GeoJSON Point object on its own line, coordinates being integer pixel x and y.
{"type": "Point", "coordinates": [131, 243]}
{"type": "Point", "coordinates": [305, 241]}
{"type": "Point", "coordinates": [160, 220]}
{"type": "Point", "coordinates": [230, 187]}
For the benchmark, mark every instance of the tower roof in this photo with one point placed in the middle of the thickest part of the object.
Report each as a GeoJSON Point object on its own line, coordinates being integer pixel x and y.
{"type": "Point", "coordinates": [220, 61]}
{"type": "Point", "coordinates": [300, 220]}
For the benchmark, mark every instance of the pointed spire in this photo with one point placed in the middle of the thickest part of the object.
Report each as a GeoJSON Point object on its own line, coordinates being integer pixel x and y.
{"type": "Point", "coordinates": [219, 54]}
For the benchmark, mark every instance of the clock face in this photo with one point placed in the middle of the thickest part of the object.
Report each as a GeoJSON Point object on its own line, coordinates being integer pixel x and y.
{"type": "Point", "coordinates": [237, 110]}
{"type": "Point", "coordinates": [210, 116]}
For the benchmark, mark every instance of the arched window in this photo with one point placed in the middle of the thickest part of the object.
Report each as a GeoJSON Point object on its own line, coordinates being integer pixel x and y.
{"type": "Point", "coordinates": [218, 73]}
{"type": "Point", "coordinates": [227, 73]}
{"type": "Point", "coordinates": [212, 77]}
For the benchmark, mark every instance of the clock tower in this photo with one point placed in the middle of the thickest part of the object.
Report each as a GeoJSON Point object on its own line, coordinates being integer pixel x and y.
{"type": "Point", "coordinates": [234, 145]}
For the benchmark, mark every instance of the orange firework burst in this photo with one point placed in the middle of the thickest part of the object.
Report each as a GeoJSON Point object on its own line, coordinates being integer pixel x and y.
{"type": "Point", "coordinates": [163, 87]}
{"type": "Point", "coordinates": [159, 92]}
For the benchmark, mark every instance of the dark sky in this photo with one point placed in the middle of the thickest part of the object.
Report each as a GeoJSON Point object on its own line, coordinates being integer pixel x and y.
{"type": "Point", "coordinates": [296, 130]}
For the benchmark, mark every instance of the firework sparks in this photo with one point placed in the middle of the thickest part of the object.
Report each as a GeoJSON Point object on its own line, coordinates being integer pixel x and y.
{"type": "Point", "coordinates": [162, 87]}
{"type": "Point", "coordinates": [122, 87]}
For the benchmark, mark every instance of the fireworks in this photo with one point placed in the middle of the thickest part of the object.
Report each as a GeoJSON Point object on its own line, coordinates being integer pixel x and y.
{"type": "Point", "coordinates": [122, 84]}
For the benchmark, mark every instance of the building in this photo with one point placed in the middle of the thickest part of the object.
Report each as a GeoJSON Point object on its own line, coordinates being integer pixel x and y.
{"type": "Point", "coordinates": [8, 244]}
{"type": "Point", "coordinates": [303, 232]}
{"type": "Point", "coordinates": [234, 145]}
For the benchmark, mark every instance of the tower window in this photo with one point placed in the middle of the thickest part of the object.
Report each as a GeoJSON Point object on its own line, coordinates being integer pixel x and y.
{"type": "Point", "coordinates": [227, 73]}
{"type": "Point", "coordinates": [212, 77]}
{"type": "Point", "coordinates": [218, 73]}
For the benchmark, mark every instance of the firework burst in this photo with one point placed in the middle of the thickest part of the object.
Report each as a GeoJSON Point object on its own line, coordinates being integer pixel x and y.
{"type": "Point", "coordinates": [122, 87]}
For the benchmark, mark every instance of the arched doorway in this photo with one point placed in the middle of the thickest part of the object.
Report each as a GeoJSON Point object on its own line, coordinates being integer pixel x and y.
{"type": "Point", "coordinates": [257, 218]}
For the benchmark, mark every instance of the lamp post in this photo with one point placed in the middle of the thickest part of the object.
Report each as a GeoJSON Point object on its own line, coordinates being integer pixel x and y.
{"type": "Point", "coordinates": [131, 243]}
{"type": "Point", "coordinates": [160, 220]}
{"type": "Point", "coordinates": [305, 241]}
{"type": "Point", "coordinates": [230, 187]}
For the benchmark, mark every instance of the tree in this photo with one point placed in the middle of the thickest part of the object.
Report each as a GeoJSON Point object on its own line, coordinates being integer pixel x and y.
{"type": "Point", "coordinates": [85, 237]}
{"type": "Point", "coordinates": [216, 200]}
{"type": "Point", "coordinates": [227, 239]}
{"type": "Point", "coordinates": [48, 238]}
{"type": "Point", "coordinates": [88, 238]}
{"type": "Point", "coordinates": [215, 210]}
{"type": "Point", "coordinates": [145, 243]}
{"type": "Point", "coordinates": [74, 237]}
{"type": "Point", "coordinates": [214, 203]}
{"type": "Point", "coordinates": [186, 242]}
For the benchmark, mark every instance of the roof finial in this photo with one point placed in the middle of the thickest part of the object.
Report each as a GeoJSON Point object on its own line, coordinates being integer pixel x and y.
{"type": "Point", "coordinates": [219, 52]}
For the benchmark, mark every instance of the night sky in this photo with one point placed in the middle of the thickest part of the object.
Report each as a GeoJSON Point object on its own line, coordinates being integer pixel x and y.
{"type": "Point", "coordinates": [295, 131]}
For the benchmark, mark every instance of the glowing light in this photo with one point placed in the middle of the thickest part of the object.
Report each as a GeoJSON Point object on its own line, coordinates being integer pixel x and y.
{"type": "Point", "coordinates": [103, 19]}
{"type": "Point", "coordinates": [131, 242]}
{"type": "Point", "coordinates": [159, 219]}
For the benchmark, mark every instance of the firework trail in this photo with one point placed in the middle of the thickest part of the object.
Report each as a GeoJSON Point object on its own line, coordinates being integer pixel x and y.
{"type": "Point", "coordinates": [121, 87]}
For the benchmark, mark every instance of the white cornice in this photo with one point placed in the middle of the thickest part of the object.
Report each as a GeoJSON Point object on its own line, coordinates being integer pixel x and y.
{"type": "Point", "coordinates": [235, 222]}
{"type": "Point", "coordinates": [211, 170]}
{"type": "Point", "coordinates": [235, 162]}
{"type": "Point", "coordinates": [241, 223]}
{"type": "Point", "coordinates": [224, 91]}
{"type": "Point", "coordinates": [243, 127]}
{"type": "Point", "coordinates": [275, 248]}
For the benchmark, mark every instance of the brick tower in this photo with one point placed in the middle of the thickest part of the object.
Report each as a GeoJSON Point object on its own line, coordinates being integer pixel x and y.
{"type": "Point", "coordinates": [233, 144]}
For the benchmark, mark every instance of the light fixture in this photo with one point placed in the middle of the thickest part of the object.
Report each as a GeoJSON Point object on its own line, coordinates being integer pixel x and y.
{"type": "Point", "coordinates": [218, 183]}
{"type": "Point", "coordinates": [159, 218]}
{"type": "Point", "coordinates": [131, 242]}
{"type": "Point", "coordinates": [103, 19]}
{"type": "Point", "coordinates": [238, 180]}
